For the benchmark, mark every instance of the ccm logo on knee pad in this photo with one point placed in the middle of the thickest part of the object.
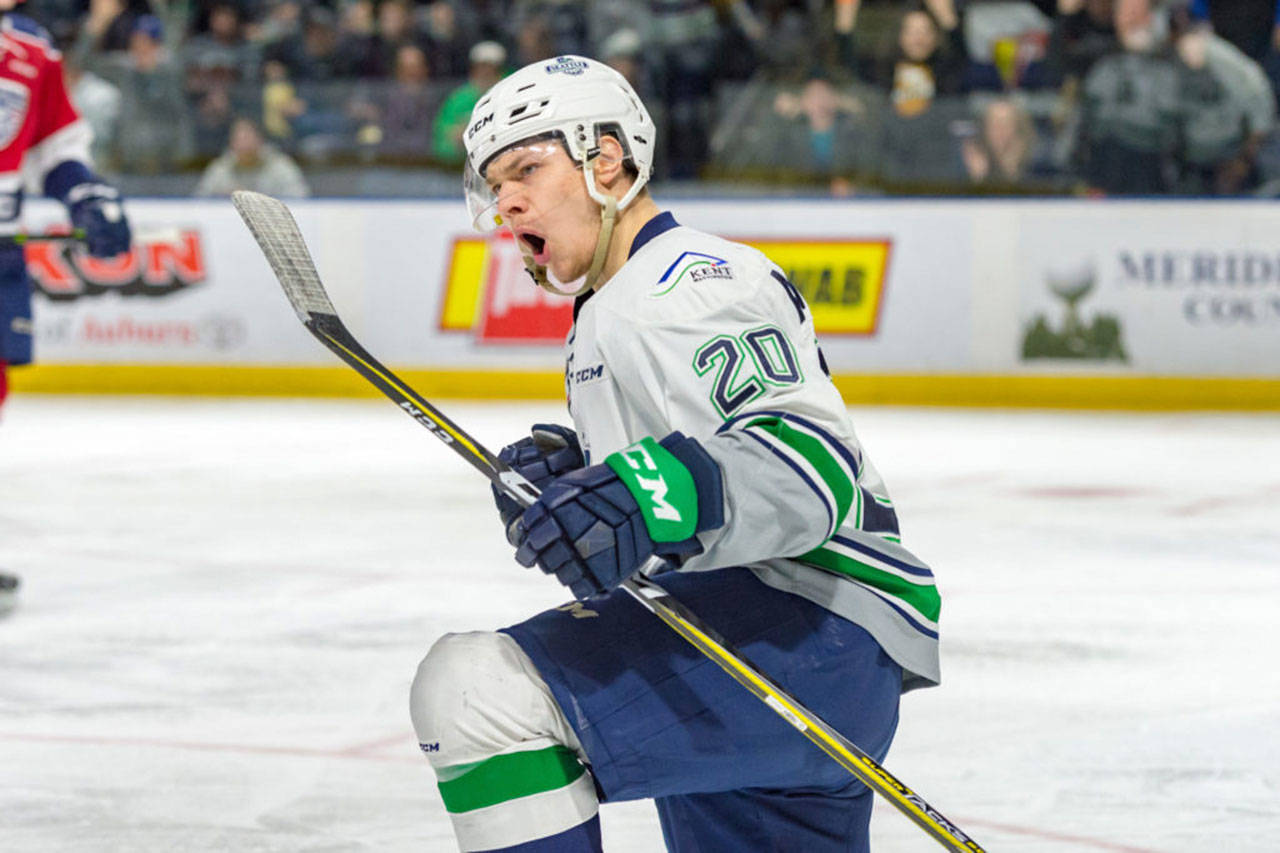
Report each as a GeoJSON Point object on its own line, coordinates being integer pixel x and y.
{"type": "Point", "coordinates": [429, 747]}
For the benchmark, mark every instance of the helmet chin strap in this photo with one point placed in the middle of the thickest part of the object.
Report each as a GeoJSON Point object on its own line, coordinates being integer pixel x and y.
{"type": "Point", "coordinates": [608, 217]}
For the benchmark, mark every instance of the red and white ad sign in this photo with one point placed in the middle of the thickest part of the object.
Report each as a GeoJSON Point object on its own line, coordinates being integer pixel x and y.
{"type": "Point", "coordinates": [489, 292]}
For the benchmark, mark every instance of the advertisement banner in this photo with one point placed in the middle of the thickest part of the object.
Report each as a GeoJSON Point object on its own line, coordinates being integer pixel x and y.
{"type": "Point", "coordinates": [180, 296]}
{"type": "Point", "coordinates": [842, 280]}
{"type": "Point", "coordinates": [1186, 289]}
{"type": "Point", "coordinates": [489, 292]}
{"type": "Point", "coordinates": [1171, 289]}
{"type": "Point", "coordinates": [887, 284]}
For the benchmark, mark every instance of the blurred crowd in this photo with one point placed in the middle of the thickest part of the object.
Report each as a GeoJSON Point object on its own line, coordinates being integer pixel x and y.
{"type": "Point", "coordinates": [843, 96]}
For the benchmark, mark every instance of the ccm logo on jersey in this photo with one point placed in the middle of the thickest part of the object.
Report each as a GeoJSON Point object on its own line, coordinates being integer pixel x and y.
{"type": "Point", "coordinates": [593, 373]}
{"type": "Point", "coordinates": [655, 487]}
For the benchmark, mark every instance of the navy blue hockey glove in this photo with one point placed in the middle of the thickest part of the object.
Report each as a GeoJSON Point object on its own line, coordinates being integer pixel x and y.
{"type": "Point", "coordinates": [549, 451]}
{"type": "Point", "coordinates": [593, 528]}
{"type": "Point", "coordinates": [95, 209]}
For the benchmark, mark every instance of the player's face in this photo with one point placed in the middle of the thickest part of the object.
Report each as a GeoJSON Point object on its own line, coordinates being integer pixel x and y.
{"type": "Point", "coordinates": [540, 195]}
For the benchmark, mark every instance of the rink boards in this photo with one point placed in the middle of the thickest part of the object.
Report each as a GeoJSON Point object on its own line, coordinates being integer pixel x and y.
{"type": "Point", "coordinates": [1044, 303]}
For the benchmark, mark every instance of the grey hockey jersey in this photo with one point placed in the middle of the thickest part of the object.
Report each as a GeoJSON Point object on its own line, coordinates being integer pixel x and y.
{"type": "Point", "coordinates": [703, 335]}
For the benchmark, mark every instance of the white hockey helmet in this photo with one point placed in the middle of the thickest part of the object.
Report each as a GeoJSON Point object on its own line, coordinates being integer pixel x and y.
{"type": "Point", "coordinates": [570, 97]}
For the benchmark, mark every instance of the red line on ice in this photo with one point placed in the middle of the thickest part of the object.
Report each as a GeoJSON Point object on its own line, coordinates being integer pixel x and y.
{"type": "Point", "coordinates": [1056, 836]}
{"type": "Point", "coordinates": [362, 752]}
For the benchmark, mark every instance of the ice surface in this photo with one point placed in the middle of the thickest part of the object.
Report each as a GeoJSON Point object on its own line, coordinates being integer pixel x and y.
{"type": "Point", "coordinates": [225, 601]}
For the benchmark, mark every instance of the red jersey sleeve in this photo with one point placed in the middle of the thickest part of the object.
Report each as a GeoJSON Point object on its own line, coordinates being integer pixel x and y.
{"type": "Point", "coordinates": [53, 109]}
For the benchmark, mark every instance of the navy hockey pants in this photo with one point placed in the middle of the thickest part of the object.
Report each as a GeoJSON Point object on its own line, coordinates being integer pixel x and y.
{"type": "Point", "coordinates": [658, 720]}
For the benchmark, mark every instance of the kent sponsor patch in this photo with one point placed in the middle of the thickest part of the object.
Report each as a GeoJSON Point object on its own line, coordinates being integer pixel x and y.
{"type": "Point", "coordinates": [691, 267]}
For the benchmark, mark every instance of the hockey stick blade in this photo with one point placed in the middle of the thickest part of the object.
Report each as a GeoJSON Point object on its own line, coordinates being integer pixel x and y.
{"type": "Point", "coordinates": [276, 232]}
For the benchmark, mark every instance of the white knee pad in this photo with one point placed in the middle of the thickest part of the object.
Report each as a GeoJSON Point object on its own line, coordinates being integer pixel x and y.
{"type": "Point", "coordinates": [478, 695]}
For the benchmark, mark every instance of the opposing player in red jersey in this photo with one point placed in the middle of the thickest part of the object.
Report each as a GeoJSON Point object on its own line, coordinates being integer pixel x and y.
{"type": "Point", "coordinates": [41, 135]}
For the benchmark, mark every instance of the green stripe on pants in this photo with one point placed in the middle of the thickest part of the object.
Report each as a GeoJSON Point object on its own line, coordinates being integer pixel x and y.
{"type": "Point", "coordinates": [466, 787]}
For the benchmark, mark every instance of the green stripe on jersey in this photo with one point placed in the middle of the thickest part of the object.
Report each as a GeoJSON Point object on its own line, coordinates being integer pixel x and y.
{"type": "Point", "coordinates": [466, 787]}
{"type": "Point", "coordinates": [816, 454]}
{"type": "Point", "coordinates": [924, 598]}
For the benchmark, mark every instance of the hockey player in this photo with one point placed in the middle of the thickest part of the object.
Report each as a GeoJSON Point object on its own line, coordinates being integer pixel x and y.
{"type": "Point", "coordinates": [707, 431]}
{"type": "Point", "coordinates": [41, 134]}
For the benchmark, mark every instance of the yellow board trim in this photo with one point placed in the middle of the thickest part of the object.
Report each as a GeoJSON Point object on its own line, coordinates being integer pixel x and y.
{"type": "Point", "coordinates": [1135, 393]}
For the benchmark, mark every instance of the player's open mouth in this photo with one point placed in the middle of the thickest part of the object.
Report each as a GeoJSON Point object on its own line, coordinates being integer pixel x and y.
{"type": "Point", "coordinates": [537, 245]}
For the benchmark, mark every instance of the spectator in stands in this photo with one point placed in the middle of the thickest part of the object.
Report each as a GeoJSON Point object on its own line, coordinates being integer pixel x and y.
{"type": "Point", "coordinates": [1129, 113]}
{"type": "Point", "coordinates": [487, 20]}
{"type": "Point", "coordinates": [605, 20]}
{"type": "Point", "coordinates": [406, 106]}
{"type": "Point", "coordinates": [252, 164]}
{"type": "Point", "coordinates": [109, 25]}
{"type": "Point", "coordinates": [98, 103]}
{"type": "Point", "coordinates": [358, 40]}
{"type": "Point", "coordinates": [281, 105]}
{"type": "Point", "coordinates": [1253, 26]}
{"type": "Point", "coordinates": [154, 134]}
{"type": "Point", "coordinates": [1083, 32]}
{"type": "Point", "coordinates": [1003, 152]}
{"type": "Point", "coordinates": [533, 39]}
{"type": "Point", "coordinates": [447, 41]}
{"type": "Point", "coordinates": [63, 19]}
{"type": "Point", "coordinates": [746, 42]}
{"type": "Point", "coordinates": [487, 61]}
{"type": "Point", "coordinates": [564, 23]}
{"type": "Point", "coordinates": [1227, 109]}
{"type": "Point", "coordinates": [396, 29]}
{"type": "Point", "coordinates": [312, 54]}
{"type": "Point", "coordinates": [683, 45]}
{"type": "Point", "coordinates": [282, 21]}
{"type": "Point", "coordinates": [321, 75]}
{"type": "Point", "coordinates": [1007, 45]}
{"type": "Point", "coordinates": [929, 60]}
{"type": "Point", "coordinates": [216, 64]}
{"type": "Point", "coordinates": [221, 56]}
{"type": "Point", "coordinates": [920, 78]}
{"type": "Point", "coordinates": [824, 135]}
{"type": "Point", "coordinates": [623, 51]}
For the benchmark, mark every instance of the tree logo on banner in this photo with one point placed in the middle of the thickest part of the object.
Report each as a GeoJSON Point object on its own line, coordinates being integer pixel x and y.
{"type": "Point", "coordinates": [1098, 339]}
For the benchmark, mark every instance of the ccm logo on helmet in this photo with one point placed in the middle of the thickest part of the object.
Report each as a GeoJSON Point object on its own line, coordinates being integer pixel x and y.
{"type": "Point", "coordinates": [475, 128]}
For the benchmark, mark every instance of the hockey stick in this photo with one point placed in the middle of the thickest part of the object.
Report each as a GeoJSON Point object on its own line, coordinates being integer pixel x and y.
{"type": "Point", "coordinates": [277, 234]}
{"type": "Point", "coordinates": [22, 239]}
